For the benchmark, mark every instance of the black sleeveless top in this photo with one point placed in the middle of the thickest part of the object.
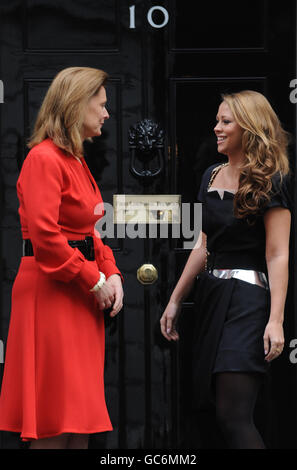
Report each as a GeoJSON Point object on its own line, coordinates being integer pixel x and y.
{"type": "Point", "coordinates": [233, 242]}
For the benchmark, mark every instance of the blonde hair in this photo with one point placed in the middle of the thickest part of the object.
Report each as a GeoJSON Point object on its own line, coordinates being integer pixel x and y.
{"type": "Point", "coordinates": [264, 144]}
{"type": "Point", "coordinates": [62, 112]}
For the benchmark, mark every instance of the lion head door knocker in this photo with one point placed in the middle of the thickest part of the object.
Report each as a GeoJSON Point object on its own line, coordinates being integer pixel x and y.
{"type": "Point", "coordinates": [146, 142]}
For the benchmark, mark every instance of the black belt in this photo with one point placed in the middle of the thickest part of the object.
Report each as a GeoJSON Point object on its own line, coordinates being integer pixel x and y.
{"type": "Point", "coordinates": [86, 246]}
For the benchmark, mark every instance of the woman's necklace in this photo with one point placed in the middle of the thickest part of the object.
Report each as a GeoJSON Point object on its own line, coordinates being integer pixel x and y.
{"type": "Point", "coordinates": [215, 172]}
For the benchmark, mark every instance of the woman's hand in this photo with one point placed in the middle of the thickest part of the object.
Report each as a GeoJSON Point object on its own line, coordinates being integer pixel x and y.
{"type": "Point", "coordinates": [273, 340]}
{"type": "Point", "coordinates": [169, 319]}
{"type": "Point", "coordinates": [114, 281]}
{"type": "Point", "coordinates": [105, 296]}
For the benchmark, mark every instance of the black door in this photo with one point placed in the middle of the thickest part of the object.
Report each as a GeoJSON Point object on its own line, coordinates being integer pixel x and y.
{"type": "Point", "coordinates": [214, 49]}
{"type": "Point", "coordinates": [168, 61]}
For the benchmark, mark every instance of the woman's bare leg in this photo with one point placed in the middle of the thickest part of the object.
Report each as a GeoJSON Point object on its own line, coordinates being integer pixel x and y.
{"type": "Point", "coordinates": [55, 442]}
{"type": "Point", "coordinates": [78, 441]}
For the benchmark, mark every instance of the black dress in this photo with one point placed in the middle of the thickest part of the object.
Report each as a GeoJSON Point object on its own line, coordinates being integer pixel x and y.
{"type": "Point", "coordinates": [231, 314]}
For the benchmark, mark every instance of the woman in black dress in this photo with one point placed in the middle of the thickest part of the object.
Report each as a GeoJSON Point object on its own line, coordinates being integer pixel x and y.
{"type": "Point", "coordinates": [242, 261]}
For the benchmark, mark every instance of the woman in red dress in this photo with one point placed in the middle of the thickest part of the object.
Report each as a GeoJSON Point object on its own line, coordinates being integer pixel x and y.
{"type": "Point", "coordinates": [53, 384]}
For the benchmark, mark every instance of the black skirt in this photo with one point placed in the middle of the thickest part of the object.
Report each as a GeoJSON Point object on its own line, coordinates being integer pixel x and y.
{"type": "Point", "coordinates": [231, 316]}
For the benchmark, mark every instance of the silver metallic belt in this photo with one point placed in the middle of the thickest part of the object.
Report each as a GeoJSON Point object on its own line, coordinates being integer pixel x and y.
{"type": "Point", "coordinates": [247, 275]}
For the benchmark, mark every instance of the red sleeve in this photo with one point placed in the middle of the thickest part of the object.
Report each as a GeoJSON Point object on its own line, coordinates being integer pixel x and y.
{"type": "Point", "coordinates": [104, 257]}
{"type": "Point", "coordinates": [41, 183]}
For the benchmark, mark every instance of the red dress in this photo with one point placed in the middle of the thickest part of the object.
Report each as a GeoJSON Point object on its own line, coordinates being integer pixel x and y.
{"type": "Point", "coordinates": [53, 377]}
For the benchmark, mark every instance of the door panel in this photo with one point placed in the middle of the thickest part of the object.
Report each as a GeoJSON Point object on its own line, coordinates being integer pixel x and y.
{"type": "Point", "coordinates": [81, 26]}
{"type": "Point", "coordinates": [219, 27]}
{"type": "Point", "coordinates": [218, 50]}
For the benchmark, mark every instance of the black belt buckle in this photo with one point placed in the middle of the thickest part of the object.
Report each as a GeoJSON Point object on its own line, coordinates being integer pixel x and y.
{"type": "Point", "coordinates": [86, 247]}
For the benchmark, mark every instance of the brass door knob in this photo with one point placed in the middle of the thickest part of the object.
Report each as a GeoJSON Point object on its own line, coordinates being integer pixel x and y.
{"type": "Point", "coordinates": [147, 274]}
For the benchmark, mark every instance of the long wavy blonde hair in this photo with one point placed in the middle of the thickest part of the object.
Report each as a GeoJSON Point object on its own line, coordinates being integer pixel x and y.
{"type": "Point", "coordinates": [264, 144]}
{"type": "Point", "coordinates": [62, 112]}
